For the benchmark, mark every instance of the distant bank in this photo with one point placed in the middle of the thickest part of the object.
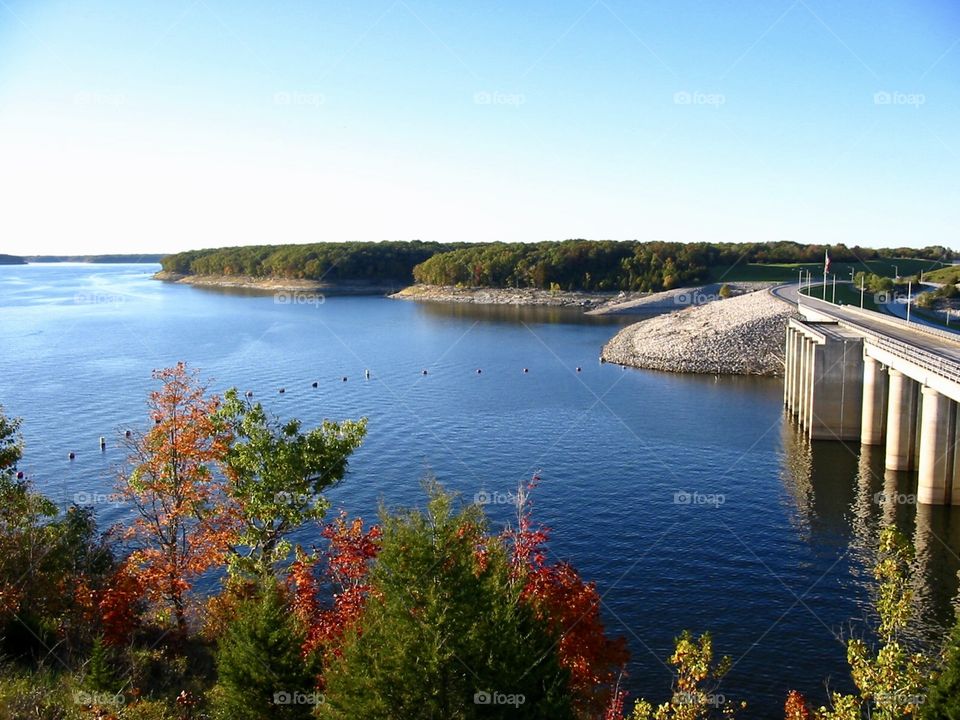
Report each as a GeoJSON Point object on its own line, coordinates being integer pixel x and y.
{"type": "Point", "coordinates": [11, 260]}
{"type": "Point", "coordinates": [121, 258]}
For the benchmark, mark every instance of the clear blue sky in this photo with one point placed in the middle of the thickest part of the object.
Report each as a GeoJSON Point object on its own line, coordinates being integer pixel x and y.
{"type": "Point", "coordinates": [175, 124]}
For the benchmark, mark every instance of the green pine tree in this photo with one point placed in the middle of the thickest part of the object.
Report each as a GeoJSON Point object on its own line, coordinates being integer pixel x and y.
{"type": "Point", "coordinates": [443, 635]}
{"type": "Point", "coordinates": [261, 673]}
{"type": "Point", "coordinates": [943, 699]}
{"type": "Point", "coordinates": [101, 669]}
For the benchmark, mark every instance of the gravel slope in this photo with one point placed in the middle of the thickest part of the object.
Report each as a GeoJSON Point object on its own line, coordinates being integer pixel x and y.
{"type": "Point", "coordinates": [742, 335]}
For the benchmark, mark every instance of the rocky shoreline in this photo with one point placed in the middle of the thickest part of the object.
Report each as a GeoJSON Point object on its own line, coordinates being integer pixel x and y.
{"type": "Point", "coordinates": [738, 336]}
{"type": "Point", "coordinates": [593, 303]}
{"type": "Point", "coordinates": [505, 296]}
{"type": "Point", "coordinates": [278, 284]}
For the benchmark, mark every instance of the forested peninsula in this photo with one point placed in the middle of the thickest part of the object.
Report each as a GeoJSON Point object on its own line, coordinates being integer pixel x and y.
{"type": "Point", "coordinates": [569, 265]}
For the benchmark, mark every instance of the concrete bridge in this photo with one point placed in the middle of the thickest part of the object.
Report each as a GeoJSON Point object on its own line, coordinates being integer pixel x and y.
{"type": "Point", "coordinates": [859, 375]}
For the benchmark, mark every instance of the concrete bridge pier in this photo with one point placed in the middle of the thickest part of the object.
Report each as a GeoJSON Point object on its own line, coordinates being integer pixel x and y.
{"type": "Point", "coordinates": [789, 362]}
{"type": "Point", "coordinates": [937, 432]}
{"type": "Point", "coordinates": [901, 419]}
{"type": "Point", "coordinates": [873, 423]}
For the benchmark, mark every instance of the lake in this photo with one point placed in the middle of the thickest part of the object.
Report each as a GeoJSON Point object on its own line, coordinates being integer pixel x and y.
{"type": "Point", "coordinates": [690, 500]}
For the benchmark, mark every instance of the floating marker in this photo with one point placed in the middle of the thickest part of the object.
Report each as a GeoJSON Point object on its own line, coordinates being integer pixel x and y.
{"type": "Point", "coordinates": [344, 378]}
{"type": "Point", "coordinates": [20, 475]}
{"type": "Point", "coordinates": [479, 371]}
{"type": "Point", "coordinates": [526, 370]}
{"type": "Point", "coordinates": [249, 393]}
{"type": "Point", "coordinates": [127, 433]}
{"type": "Point", "coordinates": [366, 374]}
{"type": "Point", "coordinates": [103, 443]}
{"type": "Point", "coordinates": [578, 368]}
{"type": "Point", "coordinates": [424, 372]}
{"type": "Point", "coordinates": [315, 383]}
{"type": "Point", "coordinates": [71, 456]}
{"type": "Point", "coordinates": [282, 390]}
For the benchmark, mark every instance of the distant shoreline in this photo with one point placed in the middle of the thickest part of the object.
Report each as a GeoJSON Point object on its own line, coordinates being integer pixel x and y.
{"type": "Point", "coordinates": [279, 284]}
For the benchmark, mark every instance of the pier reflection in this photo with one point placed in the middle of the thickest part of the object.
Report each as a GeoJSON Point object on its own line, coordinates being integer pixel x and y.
{"type": "Point", "coordinates": [842, 492]}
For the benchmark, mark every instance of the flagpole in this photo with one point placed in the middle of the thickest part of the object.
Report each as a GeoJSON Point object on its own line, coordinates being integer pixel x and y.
{"type": "Point", "coordinates": [833, 297]}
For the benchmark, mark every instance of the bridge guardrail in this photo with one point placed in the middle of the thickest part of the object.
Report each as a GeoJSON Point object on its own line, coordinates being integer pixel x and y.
{"type": "Point", "coordinates": [883, 317]}
{"type": "Point", "coordinates": [929, 361]}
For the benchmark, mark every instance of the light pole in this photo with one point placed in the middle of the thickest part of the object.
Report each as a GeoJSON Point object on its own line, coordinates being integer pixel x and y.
{"type": "Point", "coordinates": [896, 272]}
{"type": "Point", "coordinates": [909, 298]}
{"type": "Point", "coordinates": [862, 280]}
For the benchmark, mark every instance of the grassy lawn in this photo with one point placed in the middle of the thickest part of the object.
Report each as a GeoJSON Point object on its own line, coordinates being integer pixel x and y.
{"type": "Point", "coordinates": [845, 294]}
{"type": "Point", "coordinates": [943, 275]}
{"type": "Point", "coordinates": [785, 272]}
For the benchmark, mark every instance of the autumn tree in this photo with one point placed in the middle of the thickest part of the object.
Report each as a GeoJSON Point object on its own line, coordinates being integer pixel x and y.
{"type": "Point", "coordinates": [696, 684]}
{"type": "Point", "coordinates": [346, 564]}
{"type": "Point", "coordinates": [47, 559]}
{"type": "Point", "coordinates": [276, 475]}
{"type": "Point", "coordinates": [569, 607]}
{"type": "Point", "coordinates": [184, 523]}
{"type": "Point", "coordinates": [891, 679]}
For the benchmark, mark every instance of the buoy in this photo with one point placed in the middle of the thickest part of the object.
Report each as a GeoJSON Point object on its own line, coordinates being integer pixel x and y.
{"type": "Point", "coordinates": [71, 456]}
{"type": "Point", "coordinates": [249, 393]}
{"type": "Point", "coordinates": [315, 383]}
{"type": "Point", "coordinates": [20, 475]}
{"type": "Point", "coordinates": [282, 390]}
{"type": "Point", "coordinates": [578, 368]}
{"type": "Point", "coordinates": [366, 374]}
{"type": "Point", "coordinates": [103, 443]}
{"type": "Point", "coordinates": [423, 372]}
{"type": "Point", "coordinates": [526, 370]}
{"type": "Point", "coordinates": [344, 378]}
{"type": "Point", "coordinates": [127, 433]}
{"type": "Point", "coordinates": [479, 371]}
{"type": "Point", "coordinates": [156, 421]}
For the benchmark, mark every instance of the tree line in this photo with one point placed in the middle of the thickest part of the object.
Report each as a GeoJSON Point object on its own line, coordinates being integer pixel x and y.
{"type": "Point", "coordinates": [565, 265]}
{"type": "Point", "coordinates": [332, 262]}
{"type": "Point", "coordinates": [429, 613]}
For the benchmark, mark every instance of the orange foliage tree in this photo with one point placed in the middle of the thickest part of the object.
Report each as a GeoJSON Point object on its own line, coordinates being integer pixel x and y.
{"type": "Point", "coordinates": [570, 607]}
{"type": "Point", "coordinates": [347, 566]}
{"type": "Point", "coordinates": [184, 524]}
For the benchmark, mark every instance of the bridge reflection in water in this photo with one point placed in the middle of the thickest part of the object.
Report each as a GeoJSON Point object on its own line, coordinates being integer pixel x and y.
{"type": "Point", "coordinates": [842, 491]}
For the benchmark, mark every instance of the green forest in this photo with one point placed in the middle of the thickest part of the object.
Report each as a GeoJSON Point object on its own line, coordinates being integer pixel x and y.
{"type": "Point", "coordinates": [588, 265]}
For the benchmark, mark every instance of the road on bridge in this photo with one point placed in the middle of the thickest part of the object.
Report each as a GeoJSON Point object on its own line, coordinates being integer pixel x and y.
{"type": "Point", "coordinates": [944, 347]}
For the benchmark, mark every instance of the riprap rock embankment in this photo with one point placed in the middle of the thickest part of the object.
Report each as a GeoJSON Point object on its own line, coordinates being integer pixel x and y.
{"type": "Point", "coordinates": [742, 335]}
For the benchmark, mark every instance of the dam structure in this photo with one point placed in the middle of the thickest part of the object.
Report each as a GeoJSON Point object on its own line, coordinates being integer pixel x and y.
{"type": "Point", "coordinates": [859, 375]}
